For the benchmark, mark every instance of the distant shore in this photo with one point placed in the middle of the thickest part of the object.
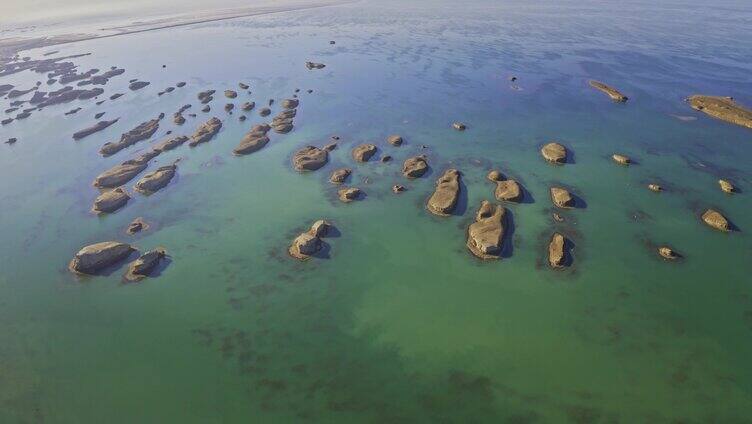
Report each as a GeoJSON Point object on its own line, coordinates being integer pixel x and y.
{"type": "Point", "coordinates": [9, 47]}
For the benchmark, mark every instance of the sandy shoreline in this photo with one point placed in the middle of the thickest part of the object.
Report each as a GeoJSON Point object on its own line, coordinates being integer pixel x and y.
{"type": "Point", "coordinates": [9, 47]}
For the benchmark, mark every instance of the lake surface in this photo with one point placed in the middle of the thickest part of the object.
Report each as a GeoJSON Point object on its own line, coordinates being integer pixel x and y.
{"type": "Point", "coordinates": [400, 323]}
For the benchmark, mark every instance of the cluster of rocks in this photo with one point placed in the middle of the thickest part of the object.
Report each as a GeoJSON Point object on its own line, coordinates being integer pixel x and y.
{"type": "Point", "coordinates": [95, 258]}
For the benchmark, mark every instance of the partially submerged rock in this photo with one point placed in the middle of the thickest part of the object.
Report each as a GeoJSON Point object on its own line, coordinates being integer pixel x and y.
{"type": "Point", "coordinates": [486, 234]}
{"type": "Point", "coordinates": [340, 175]}
{"type": "Point", "coordinates": [137, 85]}
{"type": "Point", "coordinates": [265, 111]}
{"type": "Point", "coordinates": [99, 126]}
{"type": "Point", "coordinates": [444, 199]}
{"type": "Point", "coordinates": [142, 132]}
{"type": "Point", "coordinates": [230, 94]}
{"type": "Point", "coordinates": [156, 180]}
{"type": "Point", "coordinates": [494, 176]}
{"type": "Point", "coordinates": [415, 167]}
{"type": "Point", "coordinates": [723, 108]}
{"type": "Point", "coordinates": [558, 256]}
{"type": "Point", "coordinates": [136, 226]}
{"type": "Point", "coordinates": [655, 187]}
{"type": "Point", "coordinates": [554, 153]}
{"type": "Point", "coordinates": [144, 265]}
{"type": "Point", "coordinates": [314, 65]}
{"type": "Point", "coordinates": [726, 186]}
{"type": "Point", "coordinates": [110, 201]}
{"type": "Point", "coordinates": [716, 220]}
{"type": "Point", "coordinates": [309, 158]}
{"type": "Point", "coordinates": [205, 132]}
{"type": "Point", "coordinates": [95, 257]}
{"type": "Point", "coordinates": [121, 174]}
{"type": "Point", "coordinates": [621, 159]}
{"type": "Point", "coordinates": [349, 194]}
{"type": "Point", "coordinates": [459, 126]}
{"type": "Point", "coordinates": [394, 140]}
{"type": "Point", "coordinates": [613, 93]}
{"type": "Point", "coordinates": [364, 152]}
{"type": "Point", "coordinates": [248, 106]}
{"type": "Point", "coordinates": [561, 198]}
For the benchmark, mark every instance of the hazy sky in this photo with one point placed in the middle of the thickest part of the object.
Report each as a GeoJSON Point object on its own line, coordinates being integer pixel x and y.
{"type": "Point", "coordinates": [16, 12]}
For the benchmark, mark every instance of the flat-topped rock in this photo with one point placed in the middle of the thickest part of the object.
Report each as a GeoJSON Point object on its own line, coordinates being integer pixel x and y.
{"type": "Point", "coordinates": [120, 174]}
{"type": "Point", "coordinates": [716, 220]}
{"type": "Point", "coordinates": [613, 93]}
{"type": "Point", "coordinates": [144, 265]}
{"type": "Point", "coordinates": [394, 140]}
{"type": "Point", "coordinates": [99, 126]}
{"type": "Point", "coordinates": [96, 257]}
{"type": "Point", "coordinates": [444, 198]}
{"type": "Point", "coordinates": [485, 235]}
{"type": "Point", "coordinates": [363, 152]}
{"type": "Point", "coordinates": [110, 201]}
{"type": "Point", "coordinates": [561, 198]}
{"type": "Point", "coordinates": [415, 167]}
{"type": "Point", "coordinates": [558, 257]}
{"type": "Point", "coordinates": [349, 194]}
{"type": "Point", "coordinates": [156, 180]}
{"type": "Point", "coordinates": [723, 108]}
{"type": "Point", "coordinates": [205, 132]}
{"type": "Point", "coordinates": [621, 159]}
{"type": "Point", "coordinates": [554, 153]}
{"type": "Point", "coordinates": [309, 158]}
{"type": "Point", "coordinates": [142, 132]}
{"type": "Point", "coordinates": [508, 190]}
{"type": "Point", "coordinates": [340, 175]}
{"type": "Point", "coordinates": [726, 186]}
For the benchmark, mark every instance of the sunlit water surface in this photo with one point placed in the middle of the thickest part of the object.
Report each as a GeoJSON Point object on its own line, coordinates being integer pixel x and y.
{"type": "Point", "coordinates": [400, 323]}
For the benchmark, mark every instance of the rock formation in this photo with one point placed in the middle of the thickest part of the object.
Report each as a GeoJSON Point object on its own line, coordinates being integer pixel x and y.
{"type": "Point", "coordinates": [444, 199]}
{"type": "Point", "coordinates": [613, 93]}
{"type": "Point", "coordinates": [95, 257]}
{"type": "Point", "coordinates": [486, 234]}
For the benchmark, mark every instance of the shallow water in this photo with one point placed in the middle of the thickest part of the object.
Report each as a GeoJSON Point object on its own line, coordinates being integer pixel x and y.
{"type": "Point", "coordinates": [399, 323]}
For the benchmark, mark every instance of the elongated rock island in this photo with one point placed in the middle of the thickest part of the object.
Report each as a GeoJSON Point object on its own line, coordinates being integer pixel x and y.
{"type": "Point", "coordinates": [444, 199]}
{"type": "Point", "coordinates": [613, 93]}
{"type": "Point", "coordinates": [723, 108]}
{"type": "Point", "coordinates": [485, 235]}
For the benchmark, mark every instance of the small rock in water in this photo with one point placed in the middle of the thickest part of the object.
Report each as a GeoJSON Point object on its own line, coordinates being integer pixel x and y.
{"type": "Point", "coordinates": [655, 187]}
{"type": "Point", "coordinates": [716, 220]}
{"type": "Point", "coordinates": [726, 186]}
{"type": "Point", "coordinates": [398, 188]}
{"type": "Point", "coordinates": [394, 140]}
{"type": "Point", "coordinates": [144, 265]}
{"type": "Point", "coordinates": [340, 175]}
{"type": "Point", "coordinates": [136, 226]}
{"type": "Point", "coordinates": [95, 257]}
{"type": "Point", "coordinates": [668, 253]}
{"type": "Point", "coordinates": [554, 153]}
{"type": "Point", "coordinates": [485, 235]}
{"type": "Point", "coordinates": [459, 126]}
{"type": "Point", "coordinates": [314, 65]}
{"type": "Point", "coordinates": [309, 242]}
{"type": "Point", "coordinates": [444, 198]}
{"type": "Point", "coordinates": [11, 140]}
{"type": "Point", "coordinates": [561, 198]}
{"type": "Point", "coordinates": [621, 159]}
{"type": "Point", "coordinates": [558, 256]}
{"type": "Point", "coordinates": [363, 152]}
{"type": "Point", "coordinates": [556, 217]}
{"type": "Point", "coordinates": [386, 158]}
{"type": "Point", "coordinates": [265, 111]}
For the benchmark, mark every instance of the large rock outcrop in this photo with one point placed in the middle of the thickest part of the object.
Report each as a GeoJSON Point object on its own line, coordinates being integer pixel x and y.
{"type": "Point", "coordinates": [723, 108]}
{"type": "Point", "coordinates": [486, 234]}
{"type": "Point", "coordinates": [444, 199]}
{"type": "Point", "coordinates": [95, 257]}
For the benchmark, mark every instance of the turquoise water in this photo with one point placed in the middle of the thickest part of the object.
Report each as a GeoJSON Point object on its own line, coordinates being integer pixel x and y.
{"type": "Point", "coordinates": [400, 323]}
